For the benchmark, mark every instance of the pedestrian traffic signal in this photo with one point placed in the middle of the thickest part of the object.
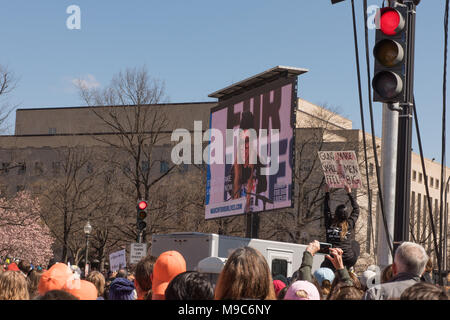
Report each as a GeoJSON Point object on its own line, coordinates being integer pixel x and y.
{"type": "Point", "coordinates": [390, 52]}
{"type": "Point", "coordinates": [141, 214]}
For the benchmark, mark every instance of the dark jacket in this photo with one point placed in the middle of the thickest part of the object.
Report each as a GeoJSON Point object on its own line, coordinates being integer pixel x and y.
{"type": "Point", "coordinates": [121, 289]}
{"type": "Point", "coordinates": [392, 289]}
{"type": "Point", "coordinates": [333, 233]}
{"type": "Point", "coordinates": [426, 277]}
{"type": "Point", "coordinates": [304, 272]}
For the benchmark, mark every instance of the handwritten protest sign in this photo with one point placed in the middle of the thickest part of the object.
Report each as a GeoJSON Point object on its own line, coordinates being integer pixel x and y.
{"type": "Point", "coordinates": [340, 168]}
{"type": "Point", "coordinates": [117, 260]}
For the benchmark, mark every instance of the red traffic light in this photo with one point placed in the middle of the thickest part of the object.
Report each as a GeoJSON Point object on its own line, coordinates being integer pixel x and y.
{"type": "Point", "coordinates": [391, 21]}
{"type": "Point", "coordinates": [142, 205]}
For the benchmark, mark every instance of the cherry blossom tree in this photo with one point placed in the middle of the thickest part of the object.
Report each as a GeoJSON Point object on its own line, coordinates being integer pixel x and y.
{"type": "Point", "coordinates": [23, 235]}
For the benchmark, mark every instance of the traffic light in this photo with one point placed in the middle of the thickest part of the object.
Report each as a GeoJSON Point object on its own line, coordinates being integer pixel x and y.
{"type": "Point", "coordinates": [141, 214]}
{"type": "Point", "coordinates": [390, 52]}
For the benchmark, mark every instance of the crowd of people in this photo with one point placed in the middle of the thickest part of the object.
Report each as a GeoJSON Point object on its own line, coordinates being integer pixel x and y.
{"type": "Point", "coordinates": [245, 276]}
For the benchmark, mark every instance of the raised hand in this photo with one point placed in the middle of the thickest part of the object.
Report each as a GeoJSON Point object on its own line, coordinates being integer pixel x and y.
{"type": "Point", "coordinates": [347, 188]}
{"type": "Point", "coordinates": [336, 258]}
{"type": "Point", "coordinates": [313, 247]}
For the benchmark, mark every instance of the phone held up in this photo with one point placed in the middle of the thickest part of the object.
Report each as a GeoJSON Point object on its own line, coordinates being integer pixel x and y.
{"type": "Point", "coordinates": [325, 247]}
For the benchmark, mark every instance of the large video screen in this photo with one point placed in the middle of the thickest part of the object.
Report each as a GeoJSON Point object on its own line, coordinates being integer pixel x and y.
{"type": "Point", "coordinates": [250, 151]}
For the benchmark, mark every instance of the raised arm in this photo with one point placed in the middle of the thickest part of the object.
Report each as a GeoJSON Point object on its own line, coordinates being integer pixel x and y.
{"type": "Point", "coordinates": [326, 208]}
{"type": "Point", "coordinates": [335, 257]}
{"type": "Point", "coordinates": [304, 272]}
{"type": "Point", "coordinates": [355, 212]}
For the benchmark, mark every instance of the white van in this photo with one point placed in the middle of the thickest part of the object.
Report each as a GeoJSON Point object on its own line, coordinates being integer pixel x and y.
{"type": "Point", "coordinates": [283, 258]}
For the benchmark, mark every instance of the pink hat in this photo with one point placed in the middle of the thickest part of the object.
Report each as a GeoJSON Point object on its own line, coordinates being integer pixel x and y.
{"type": "Point", "coordinates": [278, 285]}
{"type": "Point", "coordinates": [302, 290]}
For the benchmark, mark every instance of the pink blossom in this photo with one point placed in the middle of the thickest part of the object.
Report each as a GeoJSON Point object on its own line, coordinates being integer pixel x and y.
{"type": "Point", "coordinates": [23, 234]}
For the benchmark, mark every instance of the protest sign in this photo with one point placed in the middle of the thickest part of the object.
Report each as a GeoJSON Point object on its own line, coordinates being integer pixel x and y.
{"type": "Point", "coordinates": [340, 168]}
{"type": "Point", "coordinates": [117, 260]}
{"type": "Point", "coordinates": [137, 252]}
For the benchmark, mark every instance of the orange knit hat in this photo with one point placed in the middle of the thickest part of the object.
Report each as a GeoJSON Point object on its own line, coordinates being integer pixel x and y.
{"type": "Point", "coordinates": [55, 278]}
{"type": "Point", "coordinates": [82, 289]}
{"type": "Point", "coordinates": [168, 265]}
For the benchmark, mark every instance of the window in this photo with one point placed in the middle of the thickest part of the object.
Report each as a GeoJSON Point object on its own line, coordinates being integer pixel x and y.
{"type": "Point", "coordinates": [51, 130]}
{"type": "Point", "coordinates": [5, 167]}
{"type": "Point", "coordinates": [371, 170]}
{"type": "Point", "coordinates": [145, 166]}
{"type": "Point", "coordinates": [3, 190]}
{"type": "Point", "coordinates": [414, 175]}
{"type": "Point", "coordinates": [279, 266]}
{"type": "Point", "coordinates": [38, 168]}
{"type": "Point", "coordinates": [55, 167]}
{"type": "Point", "coordinates": [126, 168]}
{"type": "Point", "coordinates": [420, 177]}
{"type": "Point", "coordinates": [163, 167]}
{"type": "Point", "coordinates": [89, 168]}
{"type": "Point", "coordinates": [22, 168]}
{"type": "Point", "coordinates": [437, 184]}
{"type": "Point", "coordinates": [431, 182]}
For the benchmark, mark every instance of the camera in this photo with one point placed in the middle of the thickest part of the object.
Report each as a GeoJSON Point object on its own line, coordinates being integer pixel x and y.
{"type": "Point", "coordinates": [325, 247]}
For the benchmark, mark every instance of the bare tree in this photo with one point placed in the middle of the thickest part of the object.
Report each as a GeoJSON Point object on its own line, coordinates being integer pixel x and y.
{"type": "Point", "coordinates": [8, 82]}
{"type": "Point", "coordinates": [127, 109]}
{"type": "Point", "coordinates": [69, 199]}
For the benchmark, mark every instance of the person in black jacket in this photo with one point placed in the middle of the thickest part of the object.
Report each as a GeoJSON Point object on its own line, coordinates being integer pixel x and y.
{"type": "Point", "coordinates": [340, 229]}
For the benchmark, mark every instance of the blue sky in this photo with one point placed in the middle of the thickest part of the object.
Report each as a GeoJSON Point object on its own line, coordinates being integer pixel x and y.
{"type": "Point", "coordinates": [200, 46]}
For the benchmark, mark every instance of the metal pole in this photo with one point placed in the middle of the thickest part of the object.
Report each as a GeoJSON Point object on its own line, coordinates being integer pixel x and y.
{"type": "Point", "coordinates": [444, 238]}
{"type": "Point", "coordinates": [87, 254]}
{"type": "Point", "coordinates": [389, 165]}
{"type": "Point", "coordinates": [402, 204]}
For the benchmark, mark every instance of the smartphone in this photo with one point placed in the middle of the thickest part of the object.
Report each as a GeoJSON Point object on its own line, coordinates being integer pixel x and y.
{"type": "Point", "coordinates": [325, 247]}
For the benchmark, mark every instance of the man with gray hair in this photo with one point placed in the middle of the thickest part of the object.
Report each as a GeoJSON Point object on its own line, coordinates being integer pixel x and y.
{"type": "Point", "coordinates": [409, 265]}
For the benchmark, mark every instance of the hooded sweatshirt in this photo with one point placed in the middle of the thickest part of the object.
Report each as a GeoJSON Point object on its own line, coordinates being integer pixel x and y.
{"type": "Point", "coordinates": [121, 289]}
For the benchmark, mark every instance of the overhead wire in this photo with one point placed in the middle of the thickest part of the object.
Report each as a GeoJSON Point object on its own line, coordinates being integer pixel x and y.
{"type": "Point", "coordinates": [443, 160]}
{"type": "Point", "coordinates": [374, 145]}
{"type": "Point", "coordinates": [427, 190]}
{"type": "Point", "coordinates": [369, 194]}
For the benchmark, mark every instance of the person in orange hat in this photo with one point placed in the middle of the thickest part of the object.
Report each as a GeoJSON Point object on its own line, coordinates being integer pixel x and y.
{"type": "Point", "coordinates": [82, 289]}
{"type": "Point", "coordinates": [55, 278]}
{"type": "Point", "coordinates": [168, 265]}
{"type": "Point", "coordinates": [12, 267]}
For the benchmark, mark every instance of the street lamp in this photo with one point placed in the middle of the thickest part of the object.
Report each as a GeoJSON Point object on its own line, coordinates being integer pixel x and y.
{"type": "Point", "coordinates": [87, 232]}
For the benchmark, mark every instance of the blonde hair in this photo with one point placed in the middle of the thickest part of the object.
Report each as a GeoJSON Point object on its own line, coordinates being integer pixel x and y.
{"type": "Point", "coordinates": [246, 275]}
{"type": "Point", "coordinates": [302, 294]}
{"type": "Point", "coordinates": [13, 286]}
{"type": "Point", "coordinates": [326, 287]}
{"type": "Point", "coordinates": [98, 280]}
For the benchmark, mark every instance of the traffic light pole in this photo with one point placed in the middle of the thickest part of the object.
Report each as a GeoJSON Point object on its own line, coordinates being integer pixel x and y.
{"type": "Point", "coordinates": [403, 184]}
{"type": "Point", "coordinates": [388, 164]}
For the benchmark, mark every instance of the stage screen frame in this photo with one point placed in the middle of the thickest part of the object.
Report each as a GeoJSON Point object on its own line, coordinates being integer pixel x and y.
{"type": "Point", "coordinates": [240, 100]}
